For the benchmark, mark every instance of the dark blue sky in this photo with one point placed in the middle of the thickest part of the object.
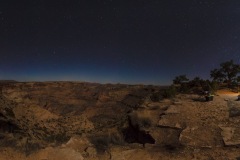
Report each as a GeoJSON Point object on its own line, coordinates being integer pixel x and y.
{"type": "Point", "coordinates": [126, 41]}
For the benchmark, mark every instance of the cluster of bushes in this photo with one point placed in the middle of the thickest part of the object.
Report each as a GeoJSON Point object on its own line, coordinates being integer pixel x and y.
{"type": "Point", "coordinates": [197, 85]}
{"type": "Point", "coordinates": [228, 74]}
{"type": "Point", "coordinates": [169, 92]}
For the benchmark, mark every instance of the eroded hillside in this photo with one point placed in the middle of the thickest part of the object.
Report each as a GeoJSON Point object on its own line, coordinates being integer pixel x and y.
{"type": "Point", "coordinates": [70, 120]}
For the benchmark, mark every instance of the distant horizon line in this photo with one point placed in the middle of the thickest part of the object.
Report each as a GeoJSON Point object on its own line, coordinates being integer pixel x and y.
{"type": "Point", "coordinates": [79, 81]}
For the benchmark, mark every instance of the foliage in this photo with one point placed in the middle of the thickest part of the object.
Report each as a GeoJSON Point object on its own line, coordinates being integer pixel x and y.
{"type": "Point", "coordinates": [179, 79]}
{"type": "Point", "coordinates": [169, 92]}
{"type": "Point", "coordinates": [217, 75]}
{"type": "Point", "coordinates": [211, 86]}
{"type": "Point", "coordinates": [214, 86]}
{"type": "Point", "coordinates": [155, 97]}
{"type": "Point", "coordinates": [226, 73]}
{"type": "Point", "coordinates": [196, 82]}
{"type": "Point", "coordinates": [185, 88]}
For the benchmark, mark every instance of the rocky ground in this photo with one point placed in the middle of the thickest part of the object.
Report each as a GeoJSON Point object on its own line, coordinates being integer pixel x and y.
{"type": "Point", "coordinates": [75, 121]}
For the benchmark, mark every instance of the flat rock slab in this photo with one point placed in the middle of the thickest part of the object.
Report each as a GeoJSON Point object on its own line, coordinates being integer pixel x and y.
{"type": "Point", "coordinates": [230, 135]}
{"type": "Point", "coordinates": [197, 137]}
{"type": "Point", "coordinates": [172, 109]}
{"type": "Point", "coordinates": [165, 122]}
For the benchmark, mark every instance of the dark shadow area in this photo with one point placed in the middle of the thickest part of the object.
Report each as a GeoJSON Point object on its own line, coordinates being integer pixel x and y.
{"type": "Point", "coordinates": [173, 148]}
{"type": "Point", "coordinates": [8, 127]}
{"type": "Point", "coordinates": [133, 134]}
{"type": "Point", "coordinates": [234, 112]}
{"type": "Point", "coordinates": [199, 99]}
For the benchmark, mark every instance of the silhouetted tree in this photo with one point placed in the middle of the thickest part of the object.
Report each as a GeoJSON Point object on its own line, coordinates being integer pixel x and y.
{"type": "Point", "coordinates": [179, 79]}
{"type": "Point", "coordinates": [227, 72]}
{"type": "Point", "coordinates": [217, 75]}
{"type": "Point", "coordinates": [196, 82]}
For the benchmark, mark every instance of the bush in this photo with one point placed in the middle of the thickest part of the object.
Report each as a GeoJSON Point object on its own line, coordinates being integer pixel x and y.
{"type": "Point", "coordinates": [155, 97]}
{"type": "Point", "coordinates": [211, 86]}
{"type": "Point", "coordinates": [169, 92]}
{"type": "Point", "coordinates": [214, 86]}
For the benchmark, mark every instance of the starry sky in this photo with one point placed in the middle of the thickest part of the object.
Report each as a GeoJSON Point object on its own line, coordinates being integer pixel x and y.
{"type": "Point", "coordinates": [116, 41]}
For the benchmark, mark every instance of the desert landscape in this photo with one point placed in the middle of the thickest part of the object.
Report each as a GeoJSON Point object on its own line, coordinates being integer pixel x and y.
{"type": "Point", "coordinates": [120, 80]}
{"type": "Point", "coordinates": [80, 120]}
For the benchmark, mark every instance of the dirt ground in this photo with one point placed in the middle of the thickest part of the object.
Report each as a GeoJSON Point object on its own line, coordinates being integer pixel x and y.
{"type": "Point", "coordinates": [54, 121]}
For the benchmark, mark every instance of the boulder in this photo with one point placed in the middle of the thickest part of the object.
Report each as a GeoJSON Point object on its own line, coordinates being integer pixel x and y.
{"type": "Point", "coordinates": [165, 122]}
{"type": "Point", "coordinates": [197, 137]}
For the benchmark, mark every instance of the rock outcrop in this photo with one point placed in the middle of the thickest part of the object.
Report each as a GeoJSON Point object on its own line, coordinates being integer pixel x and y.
{"type": "Point", "coordinates": [70, 120]}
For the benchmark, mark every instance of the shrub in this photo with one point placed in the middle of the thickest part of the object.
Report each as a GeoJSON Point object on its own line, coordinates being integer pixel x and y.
{"type": "Point", "coordinates": [155, 97]}
{"type": "Point", "coordinates": [179, 79]}
{"type": "Point", "coordinates": [169, 92]}
{"type": "Point", "coordinates": [211, 86]}
{"type": "Point", "coordinates": [214, 86]}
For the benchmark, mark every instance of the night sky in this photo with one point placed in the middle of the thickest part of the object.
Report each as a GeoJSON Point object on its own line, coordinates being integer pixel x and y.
{"type": "Point", "coordinates": [116, 41]}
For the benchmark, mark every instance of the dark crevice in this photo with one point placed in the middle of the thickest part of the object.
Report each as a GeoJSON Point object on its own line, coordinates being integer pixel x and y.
{"type": "Point", "coordinates": [133, 134]}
